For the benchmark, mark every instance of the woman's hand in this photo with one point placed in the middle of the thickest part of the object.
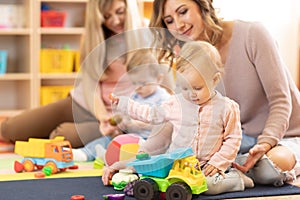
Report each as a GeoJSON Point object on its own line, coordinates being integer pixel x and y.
{"type": "Point", "coordinates": [255, 153]}
{"type": "Point", "coordinates": [108, 172]}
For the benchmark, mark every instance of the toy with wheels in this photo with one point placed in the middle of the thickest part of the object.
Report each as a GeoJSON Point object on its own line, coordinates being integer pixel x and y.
{"type": "Point", "coordinates": [174, 173]}
{"type": "Point", "coordinates": [55, 154]}
{"type": "Point", "coordinates": [122, 147]}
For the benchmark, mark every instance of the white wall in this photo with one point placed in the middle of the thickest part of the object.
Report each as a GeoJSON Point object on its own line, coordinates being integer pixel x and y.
{"type": "Point", "coordinates": [281, 17]}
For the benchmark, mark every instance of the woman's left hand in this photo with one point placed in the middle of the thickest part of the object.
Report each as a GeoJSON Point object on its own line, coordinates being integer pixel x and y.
{"type": "Point", "coordinates": [255, 153]}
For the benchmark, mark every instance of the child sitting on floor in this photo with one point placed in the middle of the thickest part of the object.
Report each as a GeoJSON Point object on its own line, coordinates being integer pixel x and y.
{"type": "Point", "coordinates": [201, 117]}
{"type": "Point", "coordinates": [145, 75]}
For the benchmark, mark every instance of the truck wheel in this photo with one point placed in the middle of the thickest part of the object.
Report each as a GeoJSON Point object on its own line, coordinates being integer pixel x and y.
{"type": "Point", "coordinates": [146, 189]}
{"type": "Point", "coordinates": [28, 165]}
{"type": "Point", "coordinates": [53, 167]}
{"type": "Point", "coordinates": [179, 191]}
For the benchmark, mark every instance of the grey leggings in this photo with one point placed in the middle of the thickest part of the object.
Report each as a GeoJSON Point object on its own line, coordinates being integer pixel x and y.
{"type": "Point", "coordinates": [52, 120]}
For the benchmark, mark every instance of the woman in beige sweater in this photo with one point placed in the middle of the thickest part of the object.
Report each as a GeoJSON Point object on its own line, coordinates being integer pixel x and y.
{"type": "Point", "coordinates": [255, 74]}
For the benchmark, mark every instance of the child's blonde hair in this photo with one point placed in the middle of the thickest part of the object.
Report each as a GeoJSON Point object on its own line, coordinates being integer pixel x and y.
{"type": "Point", "coordinates": [202, 56]}
{"type": "Point", "coordinates": [143, 58]}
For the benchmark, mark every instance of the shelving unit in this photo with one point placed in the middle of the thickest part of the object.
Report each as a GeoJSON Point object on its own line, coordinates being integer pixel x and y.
{"type": "Point", "coordinates": [21, 86]}
{"type": "Point", "coordinates": [57, 38]}
{"type": "Point", "coordinates": [16, 85]}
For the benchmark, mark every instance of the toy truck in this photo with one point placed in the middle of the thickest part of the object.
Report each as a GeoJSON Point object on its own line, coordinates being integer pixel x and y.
{"type": "Point", "coordinates": [176, 173]}
{"type": "Point", "coordinates": [39, 153]}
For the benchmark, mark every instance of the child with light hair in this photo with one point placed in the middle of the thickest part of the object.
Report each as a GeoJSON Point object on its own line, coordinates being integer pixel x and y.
{"type": "Point", "coordinates": [146, 76]}
{"type": "Point", "coordinates": [201, 117]}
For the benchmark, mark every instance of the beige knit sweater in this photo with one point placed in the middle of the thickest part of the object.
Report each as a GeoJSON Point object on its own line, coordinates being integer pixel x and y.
{"type": "Point", "coordinates": [258, 80]}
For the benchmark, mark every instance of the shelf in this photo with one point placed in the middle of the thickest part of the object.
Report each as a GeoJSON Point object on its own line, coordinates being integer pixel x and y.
{"type": "Point", "coordinates": [62, 31]}
{"type": "Point", "coordinates": [10, 113]}
{"type": "Point", "coordinates": [64, 1]}
{"type": "Point", "coordinates": [59, 76]}
{"type": "Point", "coordinates": [20, 86]}
{"type": "Point", "coordinates": [15, 31]}
{"type": "Point", "coordinates": [15, 76]}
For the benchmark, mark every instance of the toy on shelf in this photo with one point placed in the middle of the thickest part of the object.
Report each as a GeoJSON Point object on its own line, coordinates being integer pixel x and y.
{"type": "Point", "coordinates": [122, 147]}
{"type": "Point", "coordinates": [50, 155]}
{"type": "Point", "coordinates": [176, 173]}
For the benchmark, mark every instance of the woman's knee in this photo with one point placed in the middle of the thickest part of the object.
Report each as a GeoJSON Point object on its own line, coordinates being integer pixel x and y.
{"type": "Point", "coordinates": [282, 157]}
{"type": "Point", "coordinates": [69, 132]}
{"type": "Point", "coordinates": [3, 131]}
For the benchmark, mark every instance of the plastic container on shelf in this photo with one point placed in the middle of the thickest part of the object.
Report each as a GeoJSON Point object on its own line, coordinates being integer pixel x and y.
{"type": "Point", "coordinates": [56, 60]}
{"type": "Point", "coordinates": [52, 18]}
{"type": "Point", "coordinates": [77, 60]}
{"type": "Point", "coordinates": [3, 61]}
{"type": "Point", "coordinates": [11, 15]}
{"type": "Point", "coordinates": [50, 94]}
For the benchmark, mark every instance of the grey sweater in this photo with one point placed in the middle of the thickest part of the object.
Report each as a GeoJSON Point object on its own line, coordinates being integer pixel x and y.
{"type": "Point", "coordinates": [258, 80]}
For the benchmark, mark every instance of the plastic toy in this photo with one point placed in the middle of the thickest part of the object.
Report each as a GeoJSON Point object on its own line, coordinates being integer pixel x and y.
{"type": "Point", "coordinates": [114, 196]}
{"type": "Point", "coordinates": [174, 173]}
{"type": "Point", "coordinates": [77, 197]}
{"type": "Point", "coordinates": [98, 163]}
{"type": "Point", "coordinates": [115, 120]}
{"type": "Point", "coordinates": [122, 147]}
{"type": "Point", "coordinates": [54, 154]}
{"type": "Point", "coordinates": [124, 176]}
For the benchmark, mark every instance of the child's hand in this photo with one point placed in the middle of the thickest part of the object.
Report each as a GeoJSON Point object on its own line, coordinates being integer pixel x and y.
{"type": "Point", "coordinates": [115, 120]}
{"type": "Point", "coordinates": [108, 172]}
{"type": "Point", "coordinates": [106, 128]}
{"type": "Point", "coordinates": [114, 99]}
{"type": "Point", "coordinates": [210, 170]}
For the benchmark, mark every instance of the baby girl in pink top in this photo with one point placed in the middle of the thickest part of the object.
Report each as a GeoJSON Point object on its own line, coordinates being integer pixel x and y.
{"type": "Point", "coordinates": [201, 117]}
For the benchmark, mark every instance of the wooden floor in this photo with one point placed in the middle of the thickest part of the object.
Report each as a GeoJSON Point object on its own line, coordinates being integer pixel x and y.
{"type": "Point", "coordinates": [283, 197]}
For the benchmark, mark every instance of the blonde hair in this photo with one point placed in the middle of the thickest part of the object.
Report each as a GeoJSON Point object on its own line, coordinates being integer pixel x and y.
{"type": "Point", "coordinates": [201, 55]}
{"type": "Point", "coordinates": [95, 33]}
{"type": "Point", "coordinates": [93, 49]}
{"type": "Point", "coordinates": [143, 58]}
{"type": "Point", "coordinates": [212, 30]}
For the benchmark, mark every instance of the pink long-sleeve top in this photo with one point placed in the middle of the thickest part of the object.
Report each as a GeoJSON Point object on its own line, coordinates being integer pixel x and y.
{"type": "Point", "coordinates": [213, 130]}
